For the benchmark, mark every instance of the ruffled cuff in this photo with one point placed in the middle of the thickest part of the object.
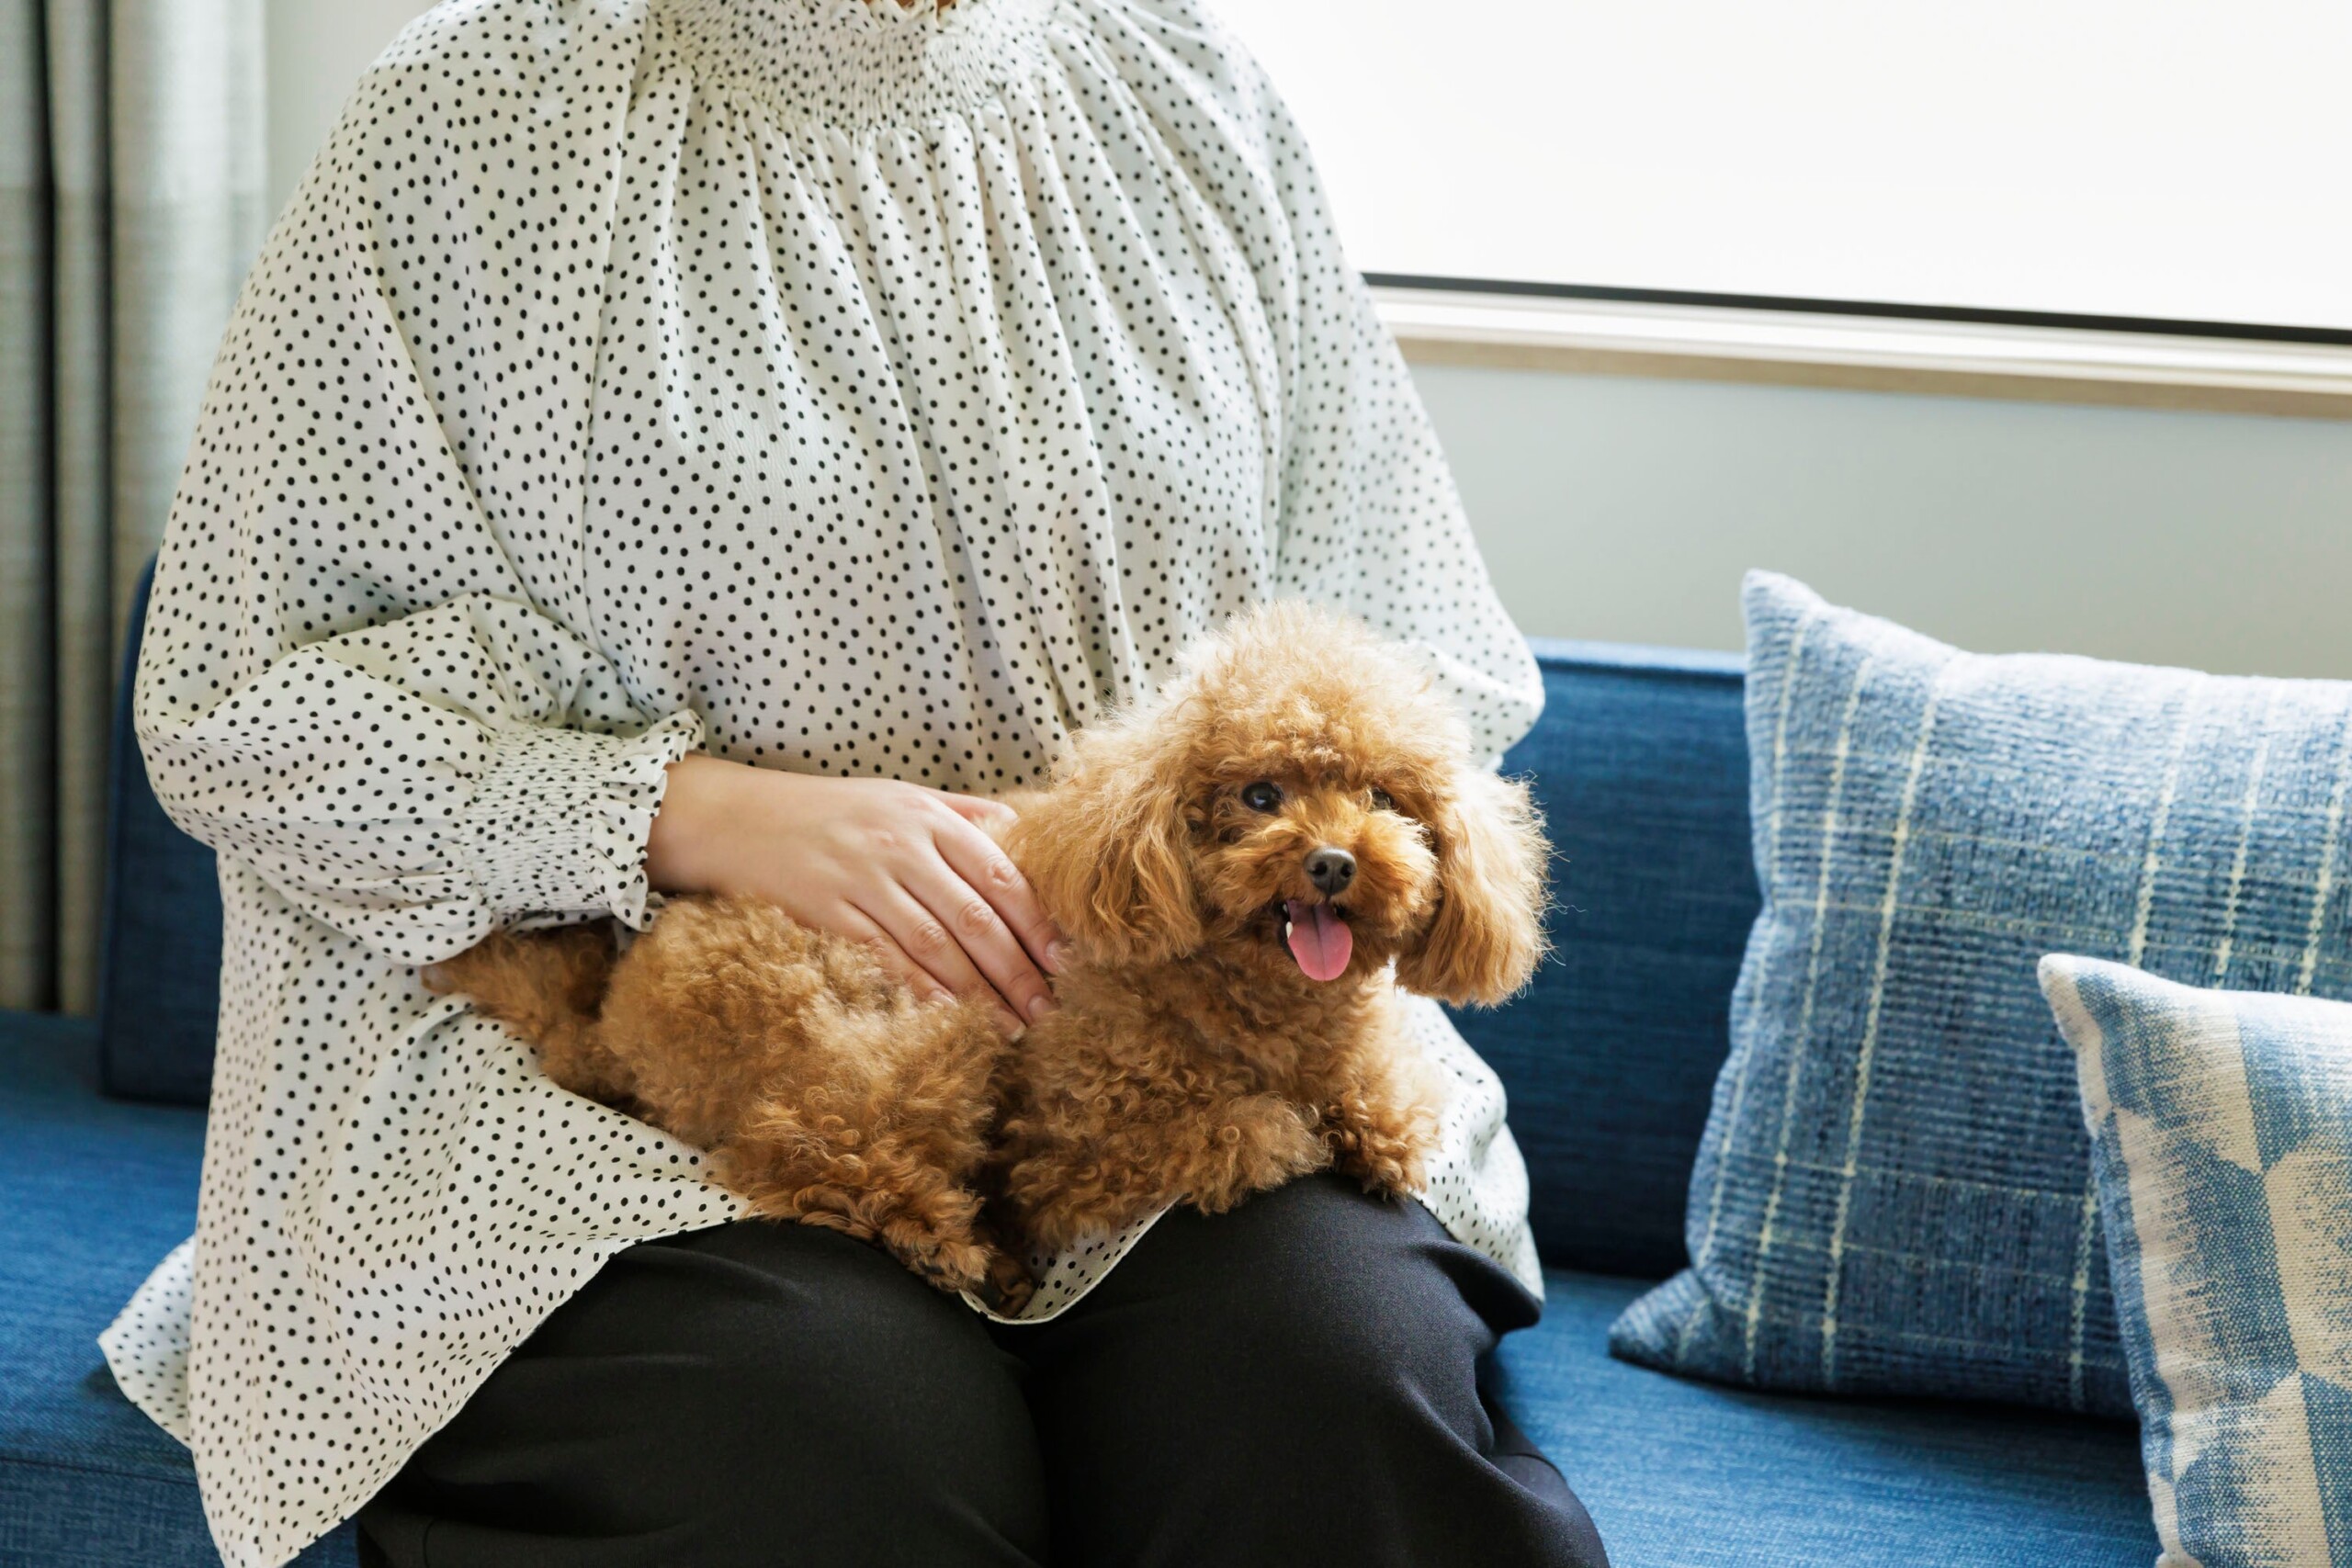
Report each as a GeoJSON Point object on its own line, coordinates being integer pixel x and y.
{"type": "Point", "coordinates": [558, 823]}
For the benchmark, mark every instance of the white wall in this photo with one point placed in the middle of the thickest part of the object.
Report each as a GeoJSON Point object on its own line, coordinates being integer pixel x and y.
{"type": "Point", "coordinates": [1627, 509]}
{"type": "Point", "coordinates": [317, 50]}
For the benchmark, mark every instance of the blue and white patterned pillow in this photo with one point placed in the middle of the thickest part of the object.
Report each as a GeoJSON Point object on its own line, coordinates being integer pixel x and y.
{"type": "Point", "coordinates": [1893, 1194]}
{"type": "Point", "coordinates": [2221, 1138]}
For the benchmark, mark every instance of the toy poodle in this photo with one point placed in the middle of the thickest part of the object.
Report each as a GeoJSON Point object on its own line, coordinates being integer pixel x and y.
{"type": "Point", "coordinates": [1247, 870]}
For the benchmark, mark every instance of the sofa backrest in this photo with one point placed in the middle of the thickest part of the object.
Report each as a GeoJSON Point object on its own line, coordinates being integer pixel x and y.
{"type": "Point", "coordinates": [159, 984]}
{"type": "Point", "coordinates": [1641, 766]}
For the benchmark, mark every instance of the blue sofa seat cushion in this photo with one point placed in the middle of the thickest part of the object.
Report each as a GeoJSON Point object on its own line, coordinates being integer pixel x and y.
{"type": "Point", "coordinates": [1681, 1474]}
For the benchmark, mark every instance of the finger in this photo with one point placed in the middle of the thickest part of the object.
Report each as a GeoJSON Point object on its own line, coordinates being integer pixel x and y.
{"type": "Point", "coordinates": [852, 922]}
{"type": "Point", "coordinates": [988, 942]}
{"type": "Point", "coordinates": [988, 871]}
{"type": "Point", "coordinates": [924, 937]}
{"type": "Point", "coordinates": [979, 812]}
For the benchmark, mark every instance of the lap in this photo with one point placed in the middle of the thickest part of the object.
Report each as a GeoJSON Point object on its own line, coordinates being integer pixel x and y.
{"type": "Point", "coordinates": [709, 1392]}
{"type": "Point", "coordinates": [1316, 1290]}
{"type": "Point", "coordinates": [1297, 1379]}
{"type": "Point", "coordinates": [1318, 1256]}
{"type": "Point", "coordinates": [1242, 1387]}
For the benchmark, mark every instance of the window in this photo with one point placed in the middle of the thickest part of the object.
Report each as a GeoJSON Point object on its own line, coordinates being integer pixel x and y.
{"type": "Point", "coordinates": [2175, 161]}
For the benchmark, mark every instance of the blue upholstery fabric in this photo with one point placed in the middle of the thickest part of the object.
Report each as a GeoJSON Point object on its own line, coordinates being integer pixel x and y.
{"type": "Point", "coordinates": [1690, 1475]}
{"type": "Point", "coordinates": [160, 983]}
{"type": "Point", "coordinates": [1640, 766]}
{"type": "Point", "coordinates": [96, 1192]}
{"type": "Point", "coordinates": [2222, 1135]}
{"type": "Point", "coordinates": [1895, 1191]}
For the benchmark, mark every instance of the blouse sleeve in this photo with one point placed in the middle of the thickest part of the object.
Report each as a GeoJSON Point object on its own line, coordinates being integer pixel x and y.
{"type": "Point", "coordinates": [344, 681]}
{"type": "Point", "coordinates": [1370, 521]}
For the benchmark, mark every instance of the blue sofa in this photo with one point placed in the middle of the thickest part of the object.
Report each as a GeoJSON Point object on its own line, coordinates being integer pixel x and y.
{"type": "Point", "coordinates": [1642, 767]}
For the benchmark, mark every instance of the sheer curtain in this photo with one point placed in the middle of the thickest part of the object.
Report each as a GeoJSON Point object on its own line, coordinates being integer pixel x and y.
{"type": "Point", "coordinates": [131, 190]}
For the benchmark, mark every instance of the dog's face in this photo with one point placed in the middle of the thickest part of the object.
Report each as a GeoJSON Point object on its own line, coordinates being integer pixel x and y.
{"type": "Point", "coordinates": [1300, 806]}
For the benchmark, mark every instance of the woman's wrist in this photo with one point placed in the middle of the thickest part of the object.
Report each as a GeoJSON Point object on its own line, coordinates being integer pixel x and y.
{"type": "Point", "coordinates": [683, 851]}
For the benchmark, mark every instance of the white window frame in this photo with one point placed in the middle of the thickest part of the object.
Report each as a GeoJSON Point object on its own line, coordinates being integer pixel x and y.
{"type": "Point", "coordinates": [1799, 343]}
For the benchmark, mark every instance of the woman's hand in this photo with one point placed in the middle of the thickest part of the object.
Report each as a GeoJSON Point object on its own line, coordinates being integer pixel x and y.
{"type": "Point", "coordinates": [904, 868]}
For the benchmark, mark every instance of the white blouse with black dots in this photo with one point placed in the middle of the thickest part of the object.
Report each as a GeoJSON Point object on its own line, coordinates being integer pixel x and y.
{"type": "Point", "coordinates": [837, 387]}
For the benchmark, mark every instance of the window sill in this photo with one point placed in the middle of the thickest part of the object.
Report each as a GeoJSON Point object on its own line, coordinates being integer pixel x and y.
{"type": "Point", "coordinates": [1870, 353]}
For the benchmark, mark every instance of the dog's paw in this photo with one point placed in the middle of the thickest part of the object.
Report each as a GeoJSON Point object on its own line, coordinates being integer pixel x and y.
{"type": "Point", "coordinates": [998, 1280]}
{"type": "Point", "coordinates": [1391, 1167]}
{"type": "Point", "coordinates": [1008, 1287]}
{"type": "Point", "coordinates": [1392, 1179]}
{"type": "Point", "coordinates": [951, 1263]}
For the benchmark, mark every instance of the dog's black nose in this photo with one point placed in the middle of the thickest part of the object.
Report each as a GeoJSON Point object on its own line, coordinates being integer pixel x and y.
{"type": "Point", "coordinates": [1331, 870]}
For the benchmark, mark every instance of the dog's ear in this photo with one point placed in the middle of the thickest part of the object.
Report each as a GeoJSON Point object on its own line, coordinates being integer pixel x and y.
{"type": "Point", "coordinates": [1104, 849]}
{"type": "Point", "coordinates": [1488, 934]}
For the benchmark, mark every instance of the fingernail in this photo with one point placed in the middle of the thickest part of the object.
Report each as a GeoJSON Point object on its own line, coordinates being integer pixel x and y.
{"type": "Point", "coordinates": [1039, 1005]}
{"type": "Point", "coordinates": [1056, 957]}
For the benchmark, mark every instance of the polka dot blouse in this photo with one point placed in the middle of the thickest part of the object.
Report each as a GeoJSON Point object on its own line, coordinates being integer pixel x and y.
{"type": "Point", "coordinates": [832, 386]}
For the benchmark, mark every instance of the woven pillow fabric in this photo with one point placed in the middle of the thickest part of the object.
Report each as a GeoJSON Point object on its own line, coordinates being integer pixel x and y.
{"type": "Point", "coordinates": [1893, 1194]}
{"type": "Point", "coordinates": [2221, 1138]}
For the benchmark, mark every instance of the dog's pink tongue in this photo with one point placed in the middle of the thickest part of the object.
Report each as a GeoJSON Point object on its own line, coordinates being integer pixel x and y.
{"type": "Point", "coordinates": [1319, 939]}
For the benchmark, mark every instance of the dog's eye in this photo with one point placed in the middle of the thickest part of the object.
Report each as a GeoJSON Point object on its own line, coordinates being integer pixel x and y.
{"type": "Point", "coordinates": [1382, 801]}
{"type": "Point", "coordinates": [1261, 796]}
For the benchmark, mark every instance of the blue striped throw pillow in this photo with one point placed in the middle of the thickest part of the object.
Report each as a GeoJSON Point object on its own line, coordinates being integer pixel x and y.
{"type": "Point", "coordinates": [2220, 1130]}
{"type": "Point", "coordinates": [1894, 1194]}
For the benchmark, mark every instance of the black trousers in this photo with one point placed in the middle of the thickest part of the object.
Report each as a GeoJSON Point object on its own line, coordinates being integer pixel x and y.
{"type": "Point", "coordinates": [1294, 1381]}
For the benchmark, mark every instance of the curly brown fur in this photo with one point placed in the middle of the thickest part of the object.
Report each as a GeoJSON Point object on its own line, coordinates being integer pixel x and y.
{"type": "Point", "coordinates": [1193, 1058]}
{"type": "Point", "coordinates": [824, 1091]}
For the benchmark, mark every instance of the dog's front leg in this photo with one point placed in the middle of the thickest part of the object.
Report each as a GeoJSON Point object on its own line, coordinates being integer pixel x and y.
{"type": "Point", "coordinates": [1381, 1124]}
{"type": "Point", "coordinates": [1080, 1176]}
{"type": "Point", "coordinates": [880, 1190]}
{"type": "Point", "coordinates": [1250, 1144]}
